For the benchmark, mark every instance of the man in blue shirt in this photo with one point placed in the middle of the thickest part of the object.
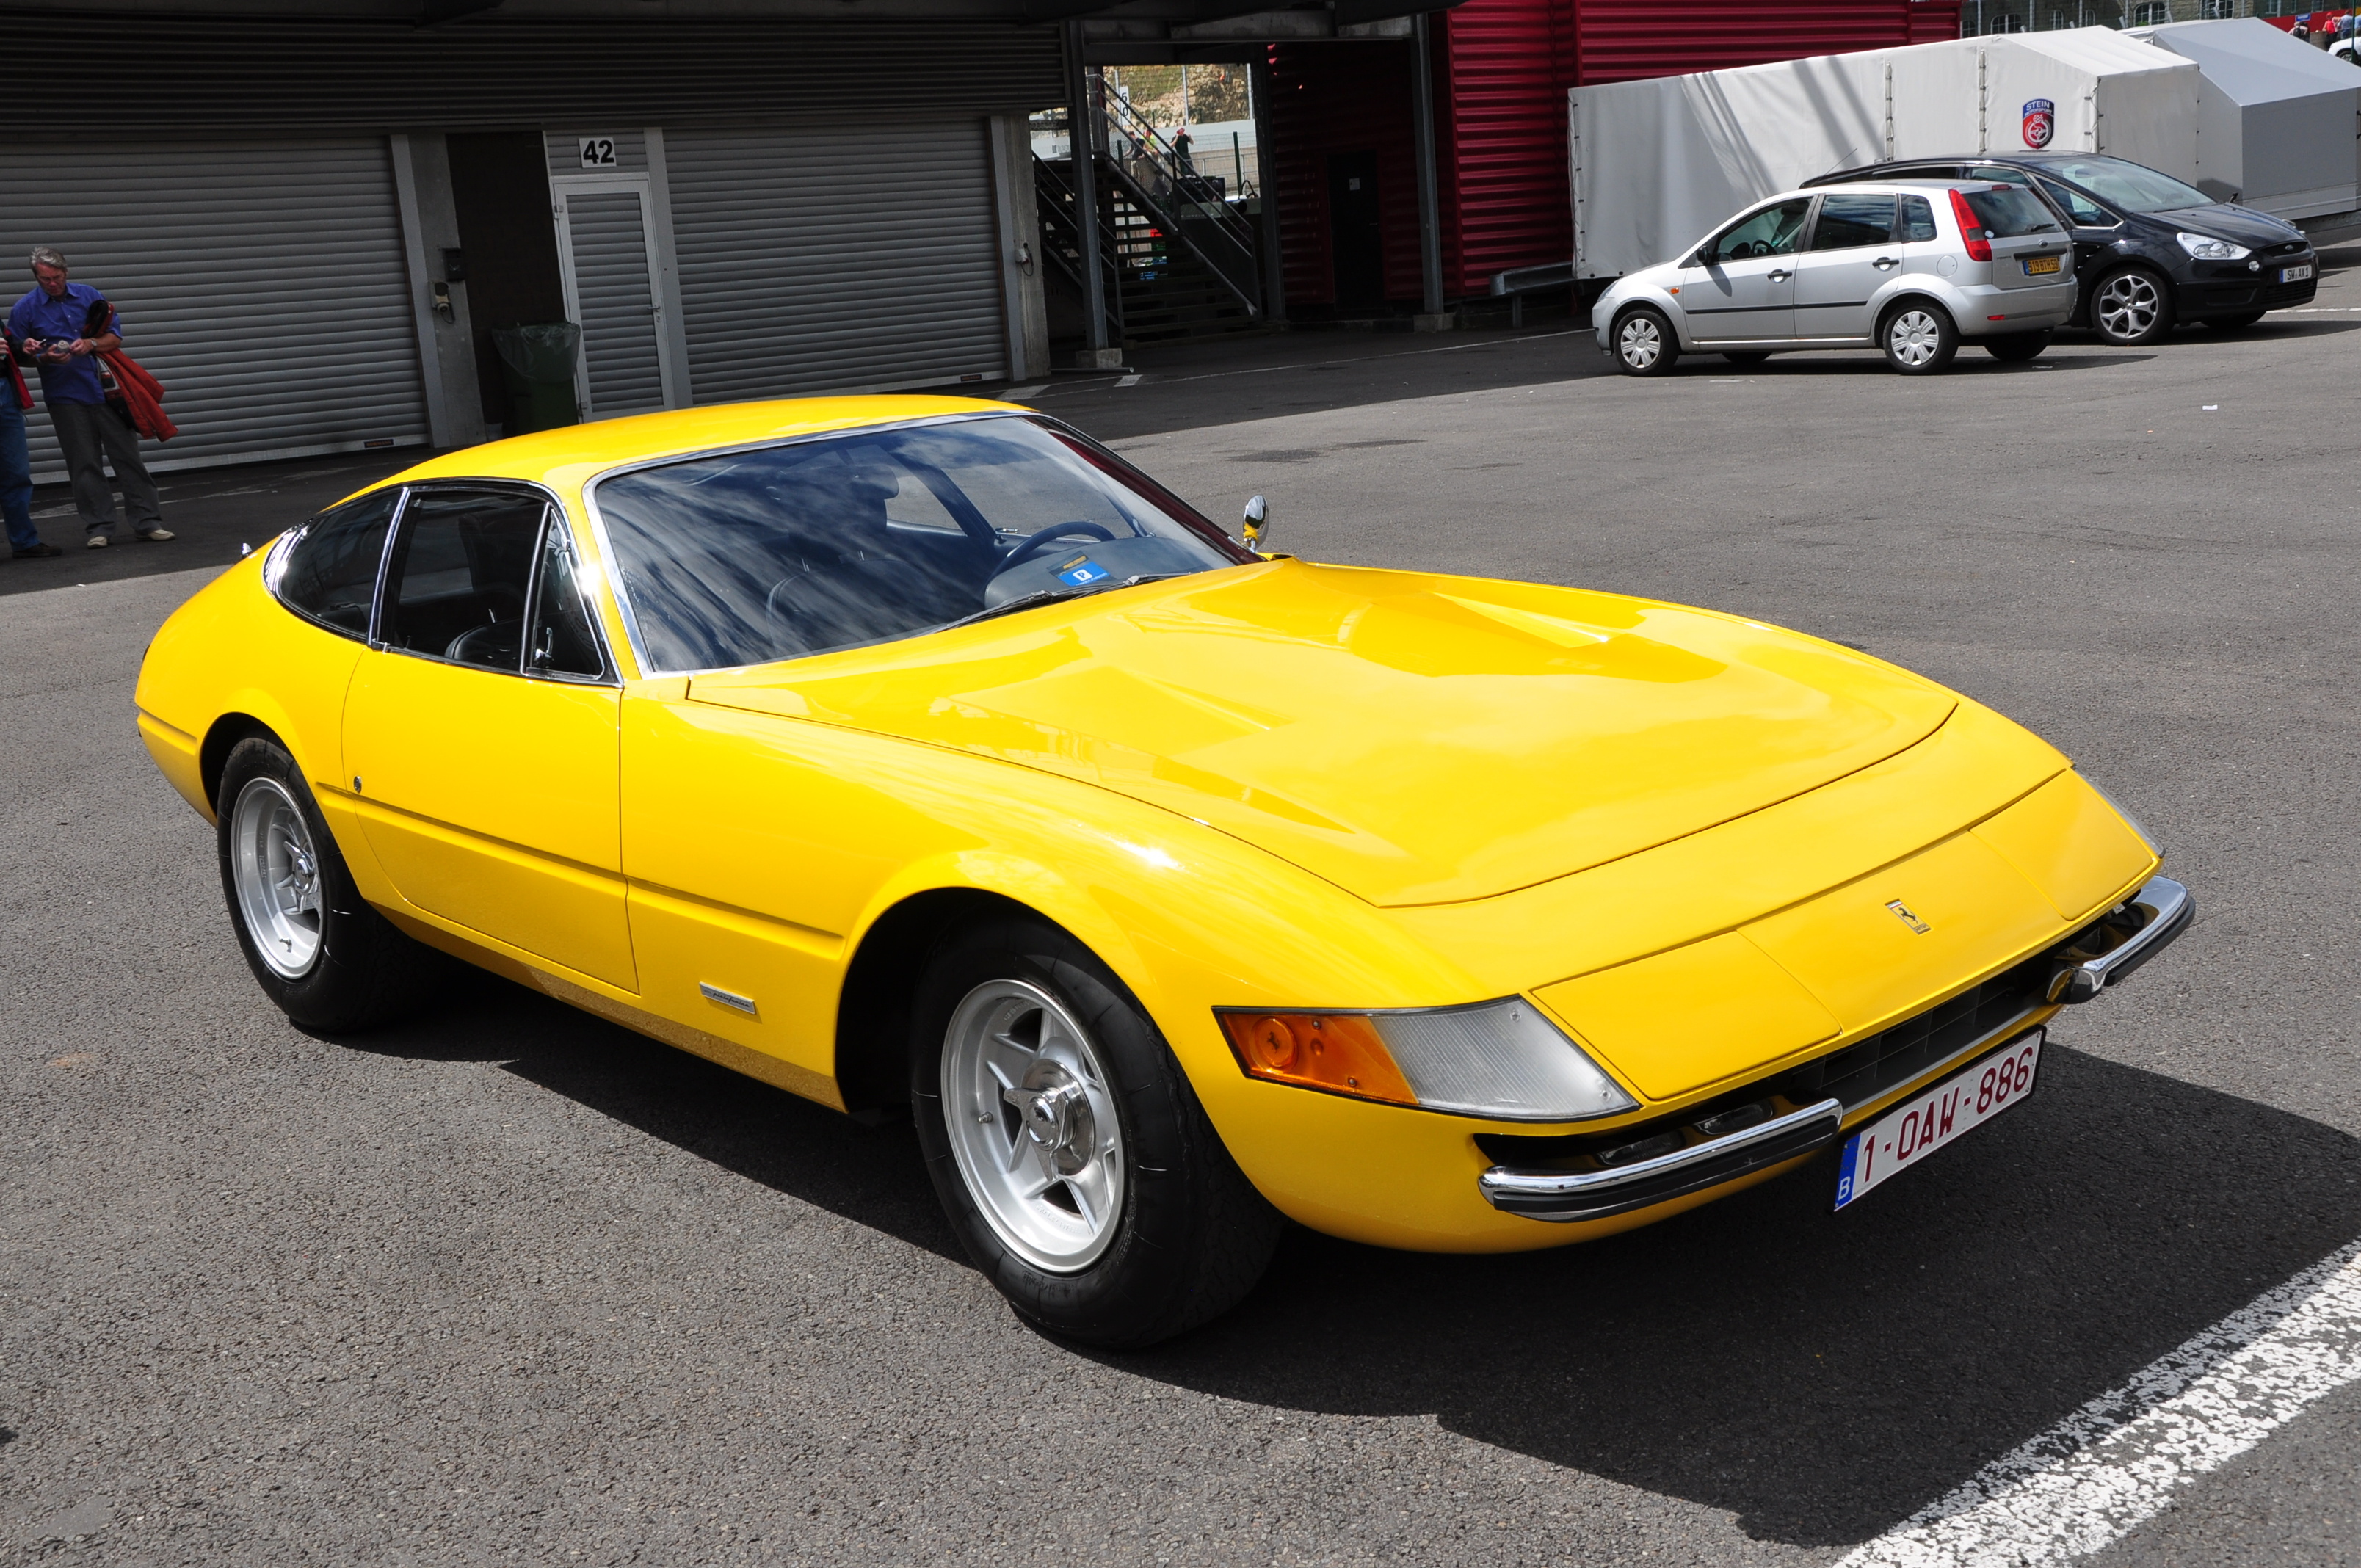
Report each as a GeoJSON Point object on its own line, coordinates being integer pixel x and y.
{"type": "Point", "coordinates": [17, 467]}
{"type": "Point", "coordinates": [52, 324]}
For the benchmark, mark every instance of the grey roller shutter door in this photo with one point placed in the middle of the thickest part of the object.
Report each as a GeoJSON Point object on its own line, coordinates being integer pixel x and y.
{"type": "Point", "coordinates": [263, 284]}
{"type": "Point", "coordinates": [614, 299]}
{"type": "Point", "coordinates": [818, 261]}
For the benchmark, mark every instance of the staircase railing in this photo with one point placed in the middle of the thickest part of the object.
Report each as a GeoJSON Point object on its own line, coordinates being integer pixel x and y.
{"type": "Point", "coordinates": [1061, 238]}
{"type": "Point", "coordinates": [1159, 181]}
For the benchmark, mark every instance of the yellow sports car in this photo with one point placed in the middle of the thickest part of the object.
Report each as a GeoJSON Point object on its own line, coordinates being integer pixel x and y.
{"type": "Point", "coordinates": [921, 752]}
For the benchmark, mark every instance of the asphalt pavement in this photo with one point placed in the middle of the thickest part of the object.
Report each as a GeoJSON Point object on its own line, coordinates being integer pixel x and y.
{"type": "Point", "coordinates": [507, 1283]}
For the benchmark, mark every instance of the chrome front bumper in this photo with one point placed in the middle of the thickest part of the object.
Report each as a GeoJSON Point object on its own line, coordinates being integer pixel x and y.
{"type": "Point", "coordinates": [1564, 1196]}
{"type": "Point", "coordinates": [2123, 939]}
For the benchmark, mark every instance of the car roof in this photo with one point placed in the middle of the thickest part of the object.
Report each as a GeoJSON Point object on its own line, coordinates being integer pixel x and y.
{"type": "Point", "coordinates": [566, 458]}
{"type": "Point", "coordinates": [1869, 170]}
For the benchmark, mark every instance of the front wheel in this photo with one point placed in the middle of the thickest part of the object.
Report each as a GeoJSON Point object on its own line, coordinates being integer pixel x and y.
{"type": "Point", "coordinates": [1645, 344]}
{"type": "Point", "coordinates": [1918, 338]}
{"type": "Point", "coordinates": [326, 959]}
{"type": "Point", "coordinates": [1067, 1149]}
{"type": "Point", "coordinates": [2132, 308]}
{"type": "Point", "coordinates": [2018, 346]}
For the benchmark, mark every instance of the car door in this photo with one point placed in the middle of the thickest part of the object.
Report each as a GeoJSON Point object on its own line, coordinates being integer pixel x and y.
{"type": "Point", "coordinates": [1852, 254]}
{"type": "Point", "coordinates": [1743, 288]}
{"type": "Point", "coordinates": [480, 731]}
{"type": "Point", "coordinates": [2092, 227]}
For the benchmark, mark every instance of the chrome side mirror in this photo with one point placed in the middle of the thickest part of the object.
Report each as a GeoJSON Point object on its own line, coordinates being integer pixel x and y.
{"type": "Point", "coordinates": [1257, 518]}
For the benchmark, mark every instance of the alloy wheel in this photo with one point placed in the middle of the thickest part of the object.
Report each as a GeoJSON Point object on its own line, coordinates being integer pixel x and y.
{"type": "Point", "coordinates": [1033, 1125]}
{"type": "Point", "coordinates": [1640, 342]}
{"type": "Point", "coordinates": [1913, 337]}
{"type": "Point", "coordinates": [2128, 305]}
{"type": "Point", "coordinates": [276, 871]}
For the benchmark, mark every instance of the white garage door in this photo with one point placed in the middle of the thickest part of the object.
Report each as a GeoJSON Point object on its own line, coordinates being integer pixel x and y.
{"type": "Point", "coordinates": [822, 260]}
{"type": "Point", "coordinates": [263, 283]}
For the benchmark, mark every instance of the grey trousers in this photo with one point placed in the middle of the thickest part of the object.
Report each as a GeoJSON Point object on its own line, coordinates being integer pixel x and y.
{"type": "Point", "coordinates": [94, 438]}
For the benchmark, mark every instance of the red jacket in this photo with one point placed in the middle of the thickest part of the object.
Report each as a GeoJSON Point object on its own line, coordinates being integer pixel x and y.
{"type": "Point", "coordinates": [143, 395]}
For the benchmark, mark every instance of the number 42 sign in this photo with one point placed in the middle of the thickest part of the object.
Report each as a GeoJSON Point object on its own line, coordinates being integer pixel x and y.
{"type": "Point", "coordinates": [597, 152]}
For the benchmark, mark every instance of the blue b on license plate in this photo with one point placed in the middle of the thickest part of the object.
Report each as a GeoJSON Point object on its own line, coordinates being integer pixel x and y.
{"type": "Point", "coordinates": [1933, 1118]}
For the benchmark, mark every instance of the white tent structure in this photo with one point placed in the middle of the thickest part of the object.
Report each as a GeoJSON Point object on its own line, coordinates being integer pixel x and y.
{"type": "Point", "coordinates": [1657, 163]}
{"type": "Point", "coordinates": [2275, 117]}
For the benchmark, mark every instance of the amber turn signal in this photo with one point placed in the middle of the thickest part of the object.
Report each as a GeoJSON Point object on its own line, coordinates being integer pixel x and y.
{"type": "Point", "coordinates": [1337, 1051]}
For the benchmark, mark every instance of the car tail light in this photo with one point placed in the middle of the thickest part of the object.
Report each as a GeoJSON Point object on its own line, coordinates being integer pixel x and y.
{"type": "Point", "coordinates": [1971, 230]}
{"type": "Point", "coordinates": [1318, 1050]}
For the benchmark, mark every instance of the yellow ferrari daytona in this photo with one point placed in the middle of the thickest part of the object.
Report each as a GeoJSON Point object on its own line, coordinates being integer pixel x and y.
{"type": "Point", "coordinates": [921, 754]}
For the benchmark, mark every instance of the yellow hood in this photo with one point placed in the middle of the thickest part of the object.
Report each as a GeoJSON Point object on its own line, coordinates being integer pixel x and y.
{"type": "Point", "coordinates": [1414, 738]}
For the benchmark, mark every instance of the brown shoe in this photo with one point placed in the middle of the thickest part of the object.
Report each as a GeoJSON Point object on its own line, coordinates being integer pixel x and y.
{"type": "Point", "coordinates": [35, 553]}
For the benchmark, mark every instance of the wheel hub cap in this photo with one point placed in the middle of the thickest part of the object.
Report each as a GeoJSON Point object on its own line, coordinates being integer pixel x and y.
{"type": "Point", "coordinates": [1033, 1126]}
{"type": "Point", "coordinates": [275, 873]}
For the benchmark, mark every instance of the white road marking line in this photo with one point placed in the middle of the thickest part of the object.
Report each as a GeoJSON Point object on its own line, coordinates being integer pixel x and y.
{"type": "Point", "coordinates": [1127, 382]}
{"type": "Point", "coordinates": [1015, 393]}
{"type": "Point", "coordinates": [2099, 1474]}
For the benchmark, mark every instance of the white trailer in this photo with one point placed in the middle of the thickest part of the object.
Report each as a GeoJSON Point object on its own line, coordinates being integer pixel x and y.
{"type": "Point", "coordinates": [1656, 164]}
{"type": "Point", "coordinates": [2275, 117]}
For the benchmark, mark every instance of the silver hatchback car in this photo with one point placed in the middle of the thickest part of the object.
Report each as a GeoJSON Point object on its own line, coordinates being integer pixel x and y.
{"type": "Point", "coordinates": [1908, 267]}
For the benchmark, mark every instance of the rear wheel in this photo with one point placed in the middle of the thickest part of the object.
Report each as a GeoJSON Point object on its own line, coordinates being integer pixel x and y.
{"type": "Point", "coordinates": [2017, 345]}
{"type": "Point", "coordinates": [1066, 1146]}
{"type": "Point", "coordinates": [323, 957]}
{"type": "Point", "coordinates": [1645, 344]}
{"type": "Point", "coordinates": [1918, 338]}
{"type": "Point", "coordinates": [2132, 308]}
{"type": "Point", "coordinates": [2235, 323]}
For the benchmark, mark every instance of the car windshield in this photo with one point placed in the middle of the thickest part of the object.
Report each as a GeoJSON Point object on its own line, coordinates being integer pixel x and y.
{"type": "Point", "coordinates": [2007, 211]}
{"type": "Point", "coordinates": [2130, 186]}
{"type": "Point", "coordinates": [747, 557]}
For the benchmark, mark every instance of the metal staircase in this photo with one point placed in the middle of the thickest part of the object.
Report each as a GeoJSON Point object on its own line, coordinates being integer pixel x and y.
{"type": "Point", "coordinates": [1177, 258]}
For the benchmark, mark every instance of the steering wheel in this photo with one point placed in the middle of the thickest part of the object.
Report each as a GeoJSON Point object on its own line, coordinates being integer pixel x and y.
{"type": "Point", "coordinates": [784, 614]}
{"type": "Point", "coordinates": [1039, 541]}
{"type": "Point", "coordinates": [493, 646]}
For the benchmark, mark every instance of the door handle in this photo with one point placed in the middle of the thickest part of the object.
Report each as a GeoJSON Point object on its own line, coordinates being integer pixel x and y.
{"type": "Point", "coordinates": [1780, 275]}
{"type": "Point", "coordinates": [1884, 261]}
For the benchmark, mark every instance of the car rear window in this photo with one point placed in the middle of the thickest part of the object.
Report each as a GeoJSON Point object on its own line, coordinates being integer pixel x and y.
{"type": "Point", "coordinates": [2008, 210]}
{"type": "Point", "coordinates": [1917, 218]}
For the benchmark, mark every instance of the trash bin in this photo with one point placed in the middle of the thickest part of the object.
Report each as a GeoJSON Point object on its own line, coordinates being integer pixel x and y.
{"type": "Point", "coordinates": [538, 358]}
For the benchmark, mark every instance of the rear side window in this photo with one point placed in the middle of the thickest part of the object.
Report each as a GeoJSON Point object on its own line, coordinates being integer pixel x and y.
{"type": "Point", "coordinates": [1847, 221]}
{"type": "Point", "coordinates": [2008, 210]}
{"type": "Point", "coordinates": [328, 572]}
{"type": "Point", "coordinates": [1917, 218]}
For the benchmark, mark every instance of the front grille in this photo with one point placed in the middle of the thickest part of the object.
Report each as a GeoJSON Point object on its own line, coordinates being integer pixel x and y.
{"type": "Point", "coordinates": [2294, 293]}
{"type": "Point", "coordinates": [1860, 1073]}
{"type": "Point", "coordinates": [2293, 247]}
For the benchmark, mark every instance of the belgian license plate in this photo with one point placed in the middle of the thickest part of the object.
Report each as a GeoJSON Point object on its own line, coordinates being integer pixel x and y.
{"type": "Point", "coordinates": [2035, 266]}
{"type": "Point", "coordinates": [1938, 1117]}
{"type": "Point", "coordinates": [2295, 274]}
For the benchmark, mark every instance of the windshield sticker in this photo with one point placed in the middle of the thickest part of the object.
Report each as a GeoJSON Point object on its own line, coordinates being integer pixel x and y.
{"type": "Point", "coordinates": [1082, 572]}
{"type": "Point", "coordinates": [2040, 123]}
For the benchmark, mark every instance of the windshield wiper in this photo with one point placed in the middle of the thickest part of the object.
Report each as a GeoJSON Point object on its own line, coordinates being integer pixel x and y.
{"type": "Point", "coordinates": [1054, 596]}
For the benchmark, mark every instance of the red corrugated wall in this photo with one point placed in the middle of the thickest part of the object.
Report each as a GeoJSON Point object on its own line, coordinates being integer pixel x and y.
{"type": "Point", "coordinates": [1502, 68]}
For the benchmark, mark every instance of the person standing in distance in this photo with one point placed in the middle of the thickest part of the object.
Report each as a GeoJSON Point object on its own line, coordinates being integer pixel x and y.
{"type": "Point", "coordinates": [51, 325]}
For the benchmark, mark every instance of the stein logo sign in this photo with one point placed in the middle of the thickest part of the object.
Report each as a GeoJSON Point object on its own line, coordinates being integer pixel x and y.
{"type": "Point", "coordinates": [2040, 123]}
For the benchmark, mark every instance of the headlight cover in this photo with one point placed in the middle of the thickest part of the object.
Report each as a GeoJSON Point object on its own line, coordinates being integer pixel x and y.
{"type": "Point", "coordinates": [2205, 248]}
{"type": "Point", "coordinates": [2133, 822]}
{"type": "Point", "coordinates": [1501, 1060]}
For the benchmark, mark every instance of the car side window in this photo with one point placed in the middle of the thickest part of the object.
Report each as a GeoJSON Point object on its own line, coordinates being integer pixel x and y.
{"type": "Point", "coordinates": [328, 570]}
{"type": "Point", "coordinates": [563, 645]}
{"type": "Point", "coordinates": [461, 570]}
{"type": "Point", "coordinates": [1917, 218]}
{"type": "Point", "coordinates": [2001, 174]}
{"type": "Point", "coordinates": [2078, 207]}
{"type": "Point", "coordinates": [1849, 220]}
{"type": "Point", "coordinates": [1773, 231]}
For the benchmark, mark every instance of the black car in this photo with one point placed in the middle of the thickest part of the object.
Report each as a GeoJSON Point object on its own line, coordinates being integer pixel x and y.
{"type": "Point", "coordinates": [2150, 251]}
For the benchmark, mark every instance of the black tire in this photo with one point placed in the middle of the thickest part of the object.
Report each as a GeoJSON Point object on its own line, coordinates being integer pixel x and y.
{"type": "Point", "coordinates": [1190, 1235]}
{"type": "Point", "coordinates": [1918, 337]}
{"type": "Point", "coordinates": [2237, 322]}
{"type": "Point", "coordinates": [2131, 307]}
{"type": "Point", "coordinates": [364, 971]}
{"type": "Point", "coordinates": [1746, 356]}
{"type": "Point", "coordinates": [2018, 346]}
{"type": "Point", "coordinates": [1643, 343]}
